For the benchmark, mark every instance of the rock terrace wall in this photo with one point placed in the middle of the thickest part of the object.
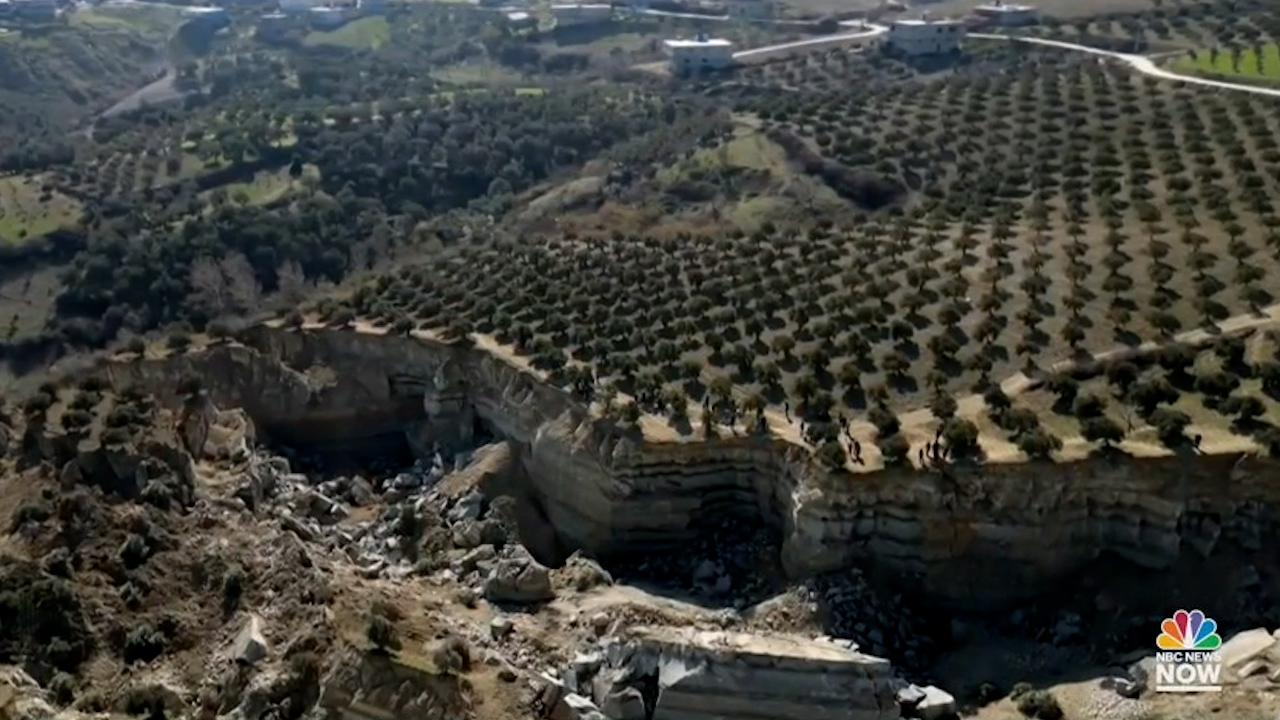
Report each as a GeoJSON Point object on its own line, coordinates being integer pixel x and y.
{"type": "Point", "coordinates": [975, 536]}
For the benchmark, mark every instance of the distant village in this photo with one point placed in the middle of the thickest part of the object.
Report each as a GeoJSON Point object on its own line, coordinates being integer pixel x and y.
{"type": "Point", "coordinates": [921, 35]}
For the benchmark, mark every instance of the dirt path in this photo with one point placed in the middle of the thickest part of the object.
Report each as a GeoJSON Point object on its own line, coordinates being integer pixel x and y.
{"type": "Point", "coordinates": [1142, 64]}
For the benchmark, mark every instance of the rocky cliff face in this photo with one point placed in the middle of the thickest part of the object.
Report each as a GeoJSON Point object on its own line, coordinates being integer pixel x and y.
{"type": "Point", "coordinates": [974, 536]}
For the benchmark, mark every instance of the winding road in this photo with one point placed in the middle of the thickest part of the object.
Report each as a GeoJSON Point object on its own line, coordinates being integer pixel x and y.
{"type": "Point", "coordinates": [1142, 64]}
{"type": "Point", "coordinates": [869, 31]}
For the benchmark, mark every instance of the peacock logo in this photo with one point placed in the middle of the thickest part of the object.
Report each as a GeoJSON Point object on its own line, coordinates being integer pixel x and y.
{"type": "Point", "coordinates": [1189, 631]}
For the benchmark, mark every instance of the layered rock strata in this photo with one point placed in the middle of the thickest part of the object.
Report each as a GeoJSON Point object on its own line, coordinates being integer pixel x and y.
{"type": "Point", "coordinates": [971, 536]}
{"type": "Point", "coordinates": [704, 675]}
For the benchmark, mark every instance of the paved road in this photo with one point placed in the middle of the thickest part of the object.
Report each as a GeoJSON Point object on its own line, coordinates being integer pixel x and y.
{"type": "Point", "coordinates": [870, 32]}
{"type": "Point", "coordinates": [1140, 63]}
{"type": "Point", "coordinates": [727, 18]}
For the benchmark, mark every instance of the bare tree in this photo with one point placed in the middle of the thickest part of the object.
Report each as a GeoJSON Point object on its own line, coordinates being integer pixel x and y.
{"type": "Point", "coordinates": [243, 290]}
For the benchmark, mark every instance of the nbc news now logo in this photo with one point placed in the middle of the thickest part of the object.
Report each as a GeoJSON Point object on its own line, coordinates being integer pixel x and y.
{"type": "Point", "coordinates": [1188, 660]}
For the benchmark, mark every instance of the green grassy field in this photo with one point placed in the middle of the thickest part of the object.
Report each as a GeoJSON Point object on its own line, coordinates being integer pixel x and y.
{"type": "Point", "coordinates": [368, 33]}
{"type": "Point", "coordinates": [25, 212]}
{"type": "Point", "coordinates": [266, 187]}
{"type": "Point", "coordinates": [155, 23]}
{"type": "Point", "coordinates": [1250, 65]}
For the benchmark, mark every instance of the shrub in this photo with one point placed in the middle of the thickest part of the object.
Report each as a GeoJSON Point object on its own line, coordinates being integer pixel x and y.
{"type": "Point", "coordinates": [43, 619]}
{"type": "Point", "coordinates": [1039, 443]}
{"type": "Point", "coordinates": [1064, 386]}
{"type": "Point", "coordinates": [220, 330]}
{"type": "Point", "coordinates": [403, 326]}
{"type": "Point", "coordinates": [1217, 384]}
{"type": "Point", "coordinates": [115, 437]}
{"type": "Point", "coordinates": [1151, 392]}
{"type": "Point", "coordinates": [190, 386]}
{"type": "Point", "coordinates": [37, 404]}
{"type": "Point", "coordinates": [1088, 406]}
{"type": "Point", "coordinates": [136, 345]}
{"type": "Point", "coordinates": [1176, 358]}
{"type": "Point", "coordinates": [1102, 429]}
{"type": "Point", "coordinates": [1019, 420]}
{"type": "Point", "coordinates": [943, 406]}
{"type": "Point", "coordinates": [885, 421]}
{"type": "Point", "coordinates": [143, 644]}
{"type": "Point", "coordinates": [178, 342]}
{"type": "Point", "coordinates": [123, 416]}
{"type": "Point", "coordinates": [30, 511]}
{"type": "Point", "coordinates": [450, 655]}
{"type": "Point", "coordinates": [74, 419]}
{"type": "Point", "coordinates": [1270, 439]}
{"type": "Point", "coordinates": [996, 399]}
{"type": "Point", "coordinates": [232, 589]}
{"type": "Point", "coordinates": [1245, 407]}
{"type": "Point", "coordinates": [961, 436]}
{"type": "Point", "coordinates": [1121, 374]}
{"type": "Point", "coordinates": [63, 688]}
{"type": "Point", "coordinates": [1039, 704]}
{"type": "Point", "coordinates": [1169, 425]}
{"type": "Point", "coordinates": [93, 384]}
{"type": "Point", "coordinates": [382, 633]}
{"type": "Point", "coordinates": [831, 454]}
{"type": "Point", "coordinates": [895, 449]}
{"type": "Point", "coordinates": [134, 552]}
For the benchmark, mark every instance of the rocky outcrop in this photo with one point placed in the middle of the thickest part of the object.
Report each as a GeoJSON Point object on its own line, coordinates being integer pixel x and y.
{"type": "Point", "coordinates": [372, 685]}
{"type": "Point", "coordinates": [976, 536]}
{"type": "Point", "coordinates": [712, 674]}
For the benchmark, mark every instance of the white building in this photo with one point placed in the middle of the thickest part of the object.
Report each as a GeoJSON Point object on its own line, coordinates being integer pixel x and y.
{"type": "Point", "coordinates": [273, 26]}
{"type": "Point", "coordinates": [1001, 13]}
{"type": "Point", "coordinates": [926, 37]}
{"type": "Point", "coordinates": [215, 17]}
{"type": "Point", "coordinates": [328, 18]}
{"type": "Point", "coordinates": [295, 7]}
{"type": "Point", "coordinates": [521, 20]}
{"type": "Point", "coordinates": [581, 13]}
{"type": "Point", "coordinates": [750, 9]}
{"type": "Point", "coordinates": [700, 54]}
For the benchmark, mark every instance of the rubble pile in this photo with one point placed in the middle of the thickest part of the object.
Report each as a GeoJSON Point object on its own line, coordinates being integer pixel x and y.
{"type": "Point", "coordinates": [730, 562]}
{"type": "Point", "coordinates": [416, 529]}
{"type": "Point", "coordinates": [882, 624]}
{"type": "Point", "coordinates": [1252, 654]}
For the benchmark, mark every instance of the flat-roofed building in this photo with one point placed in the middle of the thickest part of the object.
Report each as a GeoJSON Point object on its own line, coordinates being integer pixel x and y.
{"type": "Point", "coordinates": [328, 18]}
{"type": "Point", "coordinates": [521, 20]}
{"type": "Point", "coordinates": [699, 54]}
{"type": "Point", "coordinates": [926, 36]}
{"type": "Point", "coordinates": [212, 17]}
{"type": "Point", "coordinates": [1007, 15]}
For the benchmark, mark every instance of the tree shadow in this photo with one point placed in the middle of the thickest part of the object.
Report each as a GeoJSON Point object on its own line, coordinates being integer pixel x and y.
{"type": "Point", "coordinates": [682, 426]}
{"type": "Point", "coordinates": [855, 398]}
{"type": "Point", "coordinates": [904, 383]}
{"type": "Point", "coordinates": [1127, 337]}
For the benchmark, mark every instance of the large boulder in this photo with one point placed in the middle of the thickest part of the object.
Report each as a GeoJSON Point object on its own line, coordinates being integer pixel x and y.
{"type": "Point", "coordinates": [582, 573]}
{"type": "Point", "coordinates": [518, 578]}
{"type": "Point", "coordinates": [625, 704]}
{"type": "Point", "coordinates": [573, 706]}
{"type": "Point", "coordinates": [250, 644]}
{"type": "Point", "coordinates": [937, 704]}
